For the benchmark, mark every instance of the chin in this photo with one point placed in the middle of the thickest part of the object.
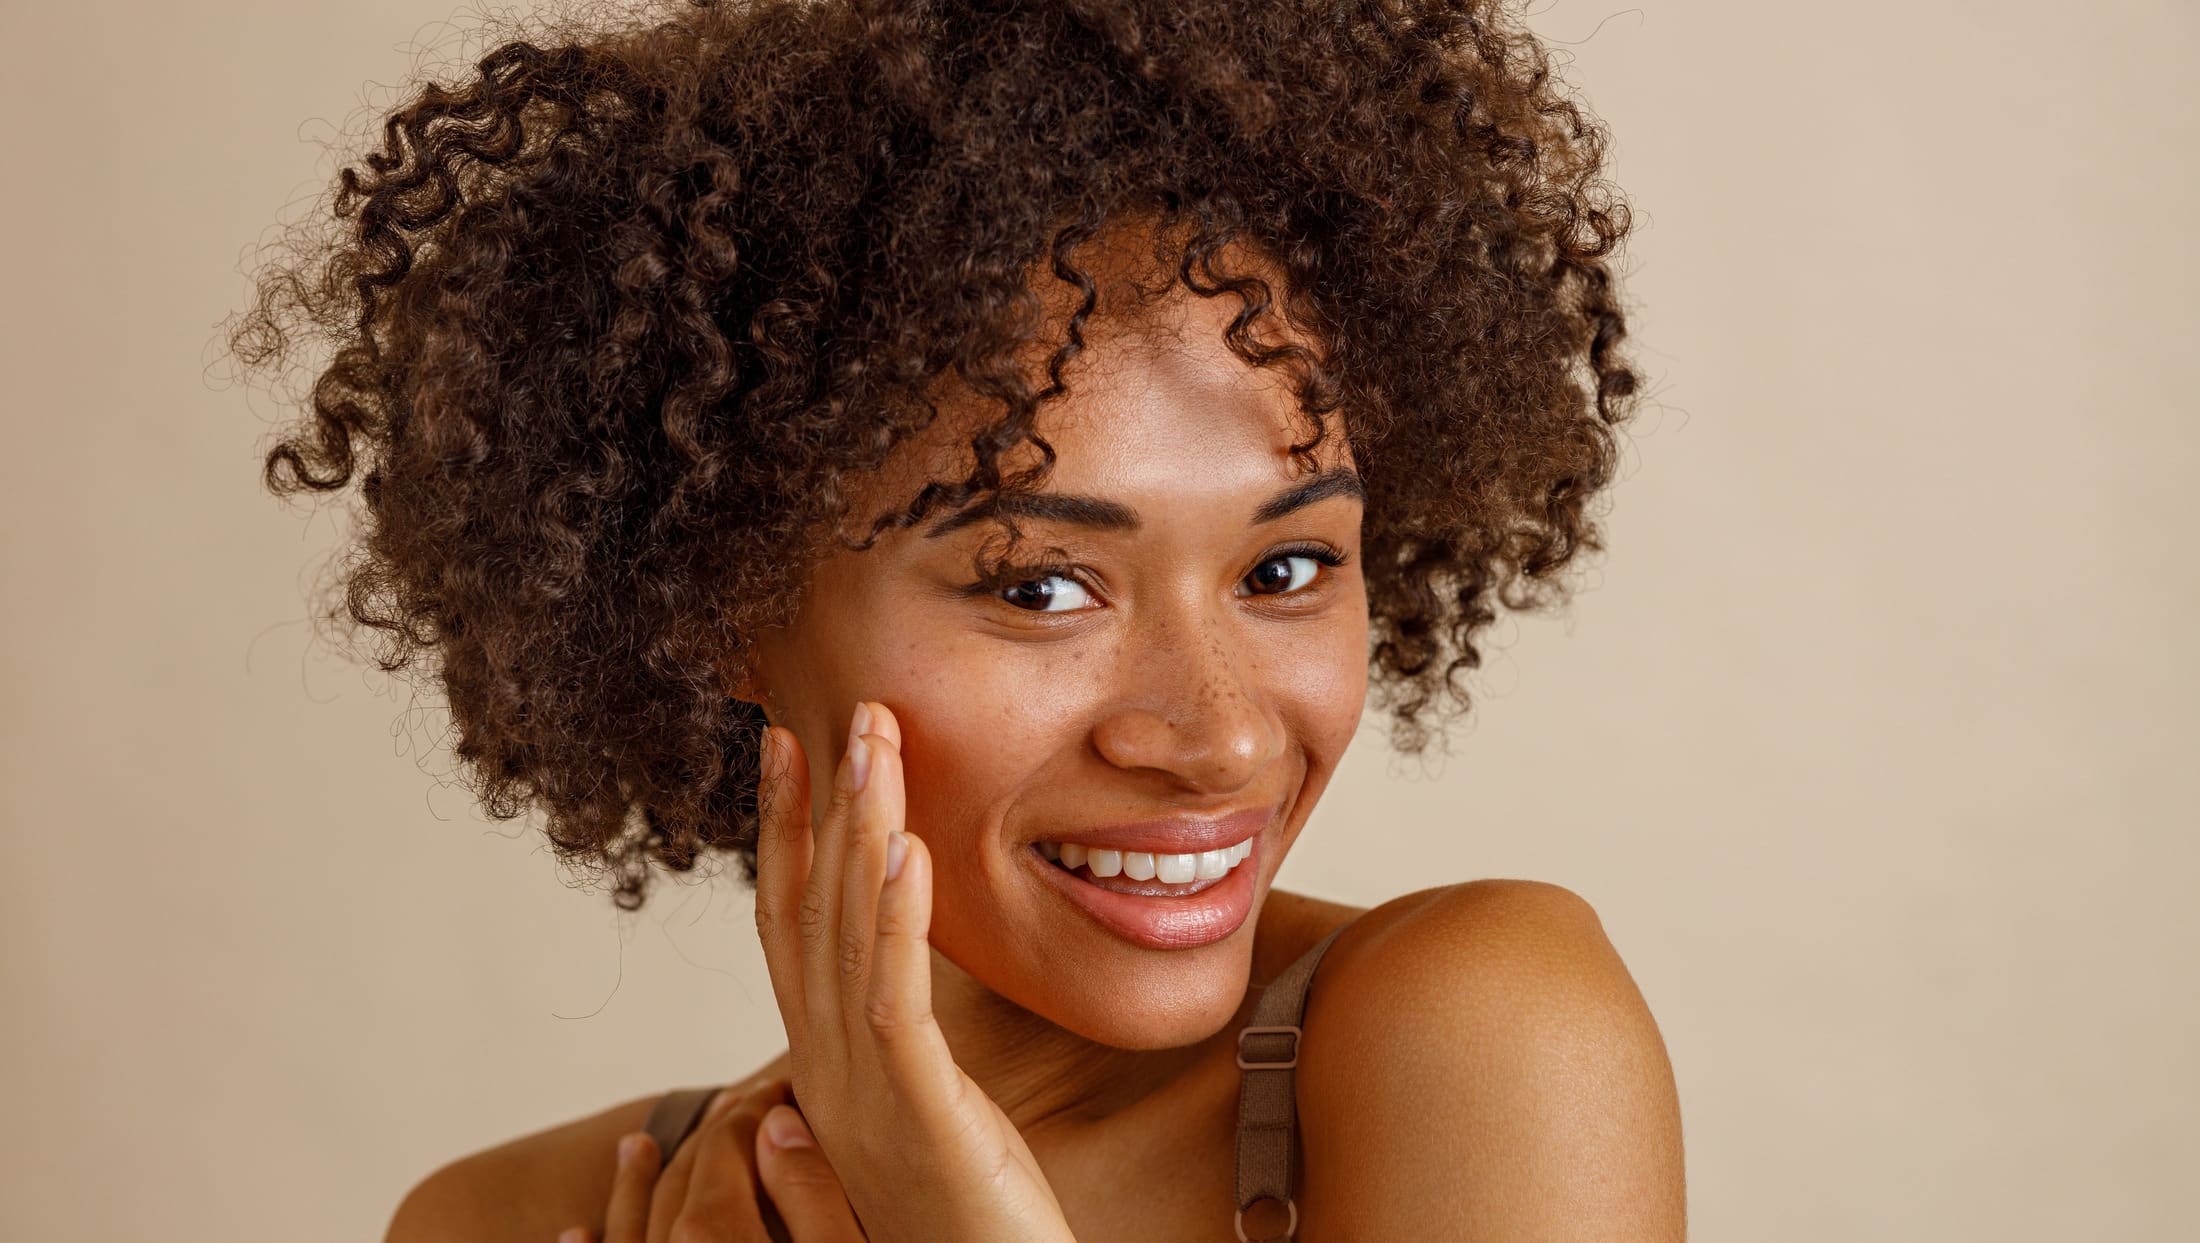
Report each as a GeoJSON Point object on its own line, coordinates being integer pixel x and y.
{"type": "Point", "coordinates": [1183, 1005]}
{"type": "Point", "coordinates": [1130, 972]}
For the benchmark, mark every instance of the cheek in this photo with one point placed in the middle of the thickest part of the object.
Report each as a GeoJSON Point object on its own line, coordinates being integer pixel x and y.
{"type": "Point", "coordinates": [977, 723]}
{"type": "Point", "coordinates": [1322, 684]}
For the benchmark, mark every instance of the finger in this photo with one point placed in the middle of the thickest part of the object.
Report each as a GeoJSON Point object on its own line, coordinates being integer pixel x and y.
{"type": "Point", "coordinates": [879, 809]}
{"type": "Point", "coordinates": [825, 1037]}
{"type": "Point", "coordinates": [627, 1218]}
{"type": "Point", "coordinates": [883, 721]}
{"type": "Point", "coordinates": [671, 1189]}
{"type": "Point", "coordinates": [783, 853]}
{"type": "Point", "coordinates": [723, 1197]}
{"type": "Point", "coordinates": [897, 1009]}
{"type": "Point", "coordinates": [802, 1184]}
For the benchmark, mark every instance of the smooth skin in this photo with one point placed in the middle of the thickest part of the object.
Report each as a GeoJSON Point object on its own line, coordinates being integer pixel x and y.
{"type": "Point", "coordinates": [1478, 1063]}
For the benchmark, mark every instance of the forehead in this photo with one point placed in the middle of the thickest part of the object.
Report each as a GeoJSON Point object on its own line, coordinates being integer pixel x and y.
{"type": "Point", "coordinates": [1156, 401]}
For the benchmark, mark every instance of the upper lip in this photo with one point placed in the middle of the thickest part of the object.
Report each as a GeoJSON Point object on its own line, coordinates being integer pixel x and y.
{"type": "Point", "coordinates": [1175, 835]}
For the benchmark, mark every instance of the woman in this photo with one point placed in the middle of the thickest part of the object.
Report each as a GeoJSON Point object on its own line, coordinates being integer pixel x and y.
{"type": "Point", "coordinates": [965, 460]}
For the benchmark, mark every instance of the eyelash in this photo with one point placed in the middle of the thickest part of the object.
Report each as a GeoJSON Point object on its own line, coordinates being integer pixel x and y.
{"type": "Point", "coordinates": [1016, 575]}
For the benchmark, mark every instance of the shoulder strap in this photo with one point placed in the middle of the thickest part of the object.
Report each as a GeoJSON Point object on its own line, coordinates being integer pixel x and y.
{"type": "Point", "coordinates": [674, 1116]}
{"type": "Point", "coordinates": [1268, 1047]}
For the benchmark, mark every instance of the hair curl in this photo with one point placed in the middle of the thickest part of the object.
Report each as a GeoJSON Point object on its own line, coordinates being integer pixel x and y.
{"type": "Point", "coordinates": [618, 321]}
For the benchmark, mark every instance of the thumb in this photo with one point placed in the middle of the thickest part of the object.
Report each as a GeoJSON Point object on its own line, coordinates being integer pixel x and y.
{"type": "Point", "coordinates": [802, 1184]}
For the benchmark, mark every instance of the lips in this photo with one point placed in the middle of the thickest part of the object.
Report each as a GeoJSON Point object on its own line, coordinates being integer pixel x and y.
{"type": "Point", "coordinates": [1186, 921]}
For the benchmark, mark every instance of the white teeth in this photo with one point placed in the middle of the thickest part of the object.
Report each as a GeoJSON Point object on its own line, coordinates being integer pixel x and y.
{"type": "Point", "coordinates": [1171, 869]}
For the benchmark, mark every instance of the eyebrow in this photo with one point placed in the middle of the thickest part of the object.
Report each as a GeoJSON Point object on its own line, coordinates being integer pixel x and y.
{"type": "Point", "coordinates": [1339, 481]}
{"type": "Point", "coordinates": [1099, 513]}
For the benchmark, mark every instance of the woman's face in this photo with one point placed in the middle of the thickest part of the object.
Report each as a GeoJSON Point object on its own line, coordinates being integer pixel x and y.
{"type": "Point", "coordinates": [1197, 664]}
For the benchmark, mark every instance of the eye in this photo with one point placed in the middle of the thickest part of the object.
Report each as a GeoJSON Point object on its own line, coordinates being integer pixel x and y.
{"type": "Point", "coordinates": [1048, 595]}
{"type": "Point", "coordinates": [1292, 578]}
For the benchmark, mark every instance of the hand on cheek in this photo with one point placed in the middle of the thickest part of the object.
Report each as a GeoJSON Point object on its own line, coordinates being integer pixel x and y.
{"type": "Point", "coordinates": [843, 909]}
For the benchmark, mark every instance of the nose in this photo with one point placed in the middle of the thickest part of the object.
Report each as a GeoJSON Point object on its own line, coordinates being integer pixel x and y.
{"type": "Point", "coordinates": [1190, 707]}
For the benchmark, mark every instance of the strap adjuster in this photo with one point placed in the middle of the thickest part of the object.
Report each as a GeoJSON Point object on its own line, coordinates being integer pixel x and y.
{"type": "Point", "coordinates": [1289, 1231]}
{"type": "Point", "coordinates": [1292, 1028]}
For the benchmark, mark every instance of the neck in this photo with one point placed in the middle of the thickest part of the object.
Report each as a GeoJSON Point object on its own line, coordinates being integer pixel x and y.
{"type": "Point", "coordinates": [1043, 1076]}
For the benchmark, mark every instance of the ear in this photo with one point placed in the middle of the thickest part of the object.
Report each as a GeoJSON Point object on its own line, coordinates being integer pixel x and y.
{"type": "Point", "coordinates": [747, 689]}
{"type": "Point", "coordinates": [739, 675]}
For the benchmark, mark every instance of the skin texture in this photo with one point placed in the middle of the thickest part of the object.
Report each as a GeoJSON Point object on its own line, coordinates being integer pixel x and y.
{"type": "Point", "coordinates": [1478, 1064]}
{"type": "Point", "coordinates": [1166, 688]}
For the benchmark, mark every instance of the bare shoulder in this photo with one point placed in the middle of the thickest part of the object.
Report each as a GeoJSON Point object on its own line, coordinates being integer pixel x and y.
{"type": "Point", "coordinates": [1478, 1064]}
{"type": "Point", "coordinates": [529, 1188]}
{"type": "Point", "coordinates": [525, 1188]}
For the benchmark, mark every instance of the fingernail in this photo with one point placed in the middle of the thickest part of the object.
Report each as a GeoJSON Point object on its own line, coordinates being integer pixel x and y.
{"type": "Point", "coordinates": [575, 1235]}
{"type": "Point", "coordinates": [786, 1128]}
{"type": "Point", "coordinates": [630, 1146]}
{"type": "Point", "coordinates": [897, 849]}
{"type": "Point", "coordinates": [725, 1099]}
{"type": "Point", "coordinates": [859, 754]}
{"type": "Point", "coordinates": [859, 763]}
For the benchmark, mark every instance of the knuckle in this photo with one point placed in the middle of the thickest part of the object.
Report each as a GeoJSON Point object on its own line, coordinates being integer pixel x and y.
{"type": "Point", "coordinates": [814, 918]}
{"type": "Point", "coordinates": [892, 1017]}
{"type": "Point", "coordinates": [836, 805]}
{"type": "Point", "coordinates": [885, 1019]}
{"type": "Point", "coordinates": [767, 910]}
{"type": "Point", "coordinates": [855, 954]}
{"type": "Point", "coordinates": [842, 797]}
{"type": "Point", "coordinates": [880, 1018]}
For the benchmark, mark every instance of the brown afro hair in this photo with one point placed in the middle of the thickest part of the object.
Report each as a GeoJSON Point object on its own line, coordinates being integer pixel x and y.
{"type": "Point", "coordinates": [618, 321]}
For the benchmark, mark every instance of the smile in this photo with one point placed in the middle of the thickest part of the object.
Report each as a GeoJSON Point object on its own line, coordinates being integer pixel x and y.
{"type": "Point", "coordinates": [1133, 894]}
{"type": "Point", "coordinates": [1173, 871]}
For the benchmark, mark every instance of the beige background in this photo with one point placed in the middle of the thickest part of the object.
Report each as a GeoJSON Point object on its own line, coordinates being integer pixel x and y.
{"type": "Point", "coordinates": [1870, 739]}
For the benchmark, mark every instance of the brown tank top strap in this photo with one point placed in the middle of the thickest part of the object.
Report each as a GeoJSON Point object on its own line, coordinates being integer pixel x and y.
{"type": "Point", "coordinates": [1268, 1049]}
{"type": "Point", "coordinates": [672, 1119]}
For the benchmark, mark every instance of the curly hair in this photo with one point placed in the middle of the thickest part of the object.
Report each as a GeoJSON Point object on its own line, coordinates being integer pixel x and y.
{"type": "Point", "coordinates": [618, 322]}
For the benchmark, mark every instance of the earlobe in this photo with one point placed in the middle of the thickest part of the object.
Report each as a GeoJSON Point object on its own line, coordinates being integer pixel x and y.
{"type": "Point", "coordinates": [749, 692]}
{"type": "Point", "coordinates": [746, 686]}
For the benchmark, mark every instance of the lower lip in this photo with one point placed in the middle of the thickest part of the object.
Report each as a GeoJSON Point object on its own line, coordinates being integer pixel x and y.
{"type": "Point", "coordinates": [1174, 923]}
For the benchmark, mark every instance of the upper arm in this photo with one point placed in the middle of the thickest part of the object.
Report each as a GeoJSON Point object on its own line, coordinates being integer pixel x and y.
{"type": "Point", "coordinates": [1482, 1066]}
{"type": "Point", "coordinates": [444, 1207]}
{"type": "Point", "coordinates": [528, 1188]}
